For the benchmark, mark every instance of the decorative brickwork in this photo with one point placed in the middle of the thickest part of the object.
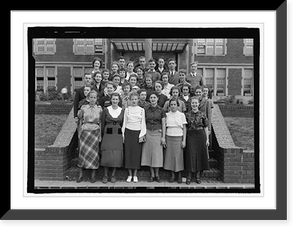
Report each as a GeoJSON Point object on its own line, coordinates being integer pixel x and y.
{"type": "Point", "coordinates": [235, 164]}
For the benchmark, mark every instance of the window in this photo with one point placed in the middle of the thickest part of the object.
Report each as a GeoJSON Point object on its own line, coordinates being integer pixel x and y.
{"type": "Point", "coordinates": [45, 78]}
{"type": "Point", "coordinates": [213, 47]}
{"type": "Point", "coordinates": [209, 78]}
{"type": "Point", "coordinates": [248, 47]}
{"type": "Point", "coordinates": [88, 46]}
{"type": "Point", "coordinates": [50, 72]}
{"type": "Point", "coordinates": [44, 46]}
{"type": "Point", "coordinates": [248, 77]}
{"type": "Point", "coordinates": [221, 81]}
{"type": "Point", "coordinates": [77, 75]}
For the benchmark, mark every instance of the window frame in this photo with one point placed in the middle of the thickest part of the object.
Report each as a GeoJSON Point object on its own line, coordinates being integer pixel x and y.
{"type": "Point", "coordinates": [85, 44]}
{"type": "Point", "coordinates": [45, 51]}
{"type": "Point", "coordinates": [207, 44]}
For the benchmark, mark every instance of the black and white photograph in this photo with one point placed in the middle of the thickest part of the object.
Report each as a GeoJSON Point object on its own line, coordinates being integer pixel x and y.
{"type": "Point", "coordinates": [142, 115]}
{"type": "Point", "coordinates": [148, 115]}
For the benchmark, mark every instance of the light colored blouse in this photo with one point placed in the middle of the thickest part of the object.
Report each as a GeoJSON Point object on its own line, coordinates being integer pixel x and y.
{"type": "Point", "coordinates": [114, 112]}
{"type": "Point", "coordinates": [90, 116]}
{"type": "Point", "coordinates": [174, 123]}
{"type": "Point", "coordinates": [134, 119]}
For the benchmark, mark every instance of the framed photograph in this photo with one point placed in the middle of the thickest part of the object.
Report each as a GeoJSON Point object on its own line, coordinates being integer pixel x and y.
{"type": "Point", "coordinates": [84, 158]}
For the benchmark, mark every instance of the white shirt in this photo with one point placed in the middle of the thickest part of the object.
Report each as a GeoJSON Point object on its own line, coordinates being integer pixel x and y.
{"type": "Point", "coordinates": [174, 123]}
{"type": "Point", "coordinates": [134, 119]}
{"type": "Point", "coordinates": [114, 112]}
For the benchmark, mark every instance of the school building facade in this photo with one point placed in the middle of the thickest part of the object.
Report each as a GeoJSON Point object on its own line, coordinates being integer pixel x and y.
{"type": "Point", "coordinates": [226, 64]}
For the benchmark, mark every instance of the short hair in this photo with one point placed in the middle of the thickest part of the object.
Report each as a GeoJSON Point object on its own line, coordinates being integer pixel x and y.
{"type": "Point", "coordinates": [122, 69]}
{"type": "Point", "coordinates": [126, 83]}
{"type": "Point", "coordinates": [139, 68]}
{"type": "Point", "coordinates": [115, 63]}
{"type": "Point", "coordinates": [88, 85]}
{"type": "Point", "coordinates": [121, 57]}
{"type": "Point", "coordinates": [143, 57]}
{"type": "Point", "coordinates": [195, 98]}
{"type": "Point", "coordinates": [116, 75]}
{"type": "Point", "coordinates": [160, 82]}
{"type": "Point", "coordinates": [165, 73]}
{"type": "Point", "coordinates": [155, 93]}
{"type": "Point", "coordinates": [130, 62]}
{"type": "Point", "coordinates": [142, 90]}
{"type": "Point", "coordinates": [186, 85]}
{"type": "Point", "coordinates": [174, 99]}
{"type": "Point", "coordinates": [97, 72]}
{"type": "Point", "coordinates": [171, 59]}
{"type": "Point", "coordinates": [97, 59]}
{"type": "Point", "coordinates": [86, 73]}
{"type": "Point", "coordinates": [199, 87]}
{"type": "Point", "coordinates": [110, 83]}
{"type": "Point", "coordinates": [161, 58]}
{"type": "Point", "coordinates": [93, 91]}
{"type": "Point", "coordinates": [104, 70]}
{"type": "Point", "coordinates": [133, 94]}
{"type": "Point", "coordinates": [133, 75]}
{"type": "Point", "coordinates": [151, 60]}
{"type": "Point", "coordinates": [174, 88]}
{"type": "Point", "coordinates": [182, 71]}
{"type": "Point", "coordinates": [194, 63]}
{"type": "Point", "coordinates": [115, 94]}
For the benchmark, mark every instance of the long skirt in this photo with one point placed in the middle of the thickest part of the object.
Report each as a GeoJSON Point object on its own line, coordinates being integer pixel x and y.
{"type": "Point", "coordinates": [112, 146]}
{"type": "Point", "coordinates": [152, 153]}
{"type": "Point", "coordinates": [133, 149]}
{"type": "Point", "coordinates": [89, 149]}
{"type": "Point", "coordinates": [174, 154]}
{"type": "Point", "coordinates": [196, 153]}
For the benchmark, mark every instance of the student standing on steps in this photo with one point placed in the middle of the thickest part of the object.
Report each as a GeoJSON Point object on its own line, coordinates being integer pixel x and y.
{"type": "Point", "coordinates": [134, 130]}
{"type": "Point", "coordinates": [90, 136]}
{"type": "Point", "coordinates": [112, 143]}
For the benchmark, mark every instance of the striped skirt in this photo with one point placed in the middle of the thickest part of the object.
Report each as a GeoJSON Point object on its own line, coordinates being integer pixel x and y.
{"type": "Point", "coordinates": [89, 149]}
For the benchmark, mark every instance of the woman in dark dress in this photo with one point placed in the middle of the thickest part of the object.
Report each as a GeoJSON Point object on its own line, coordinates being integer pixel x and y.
{"type": "Point", "coordinates": [196, 154]}
{"type": "Point", "coordinates": [112, 143]}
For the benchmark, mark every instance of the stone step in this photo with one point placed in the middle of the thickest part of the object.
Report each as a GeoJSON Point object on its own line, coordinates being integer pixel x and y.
{"type": "Point", "coordinates": [143, 174]}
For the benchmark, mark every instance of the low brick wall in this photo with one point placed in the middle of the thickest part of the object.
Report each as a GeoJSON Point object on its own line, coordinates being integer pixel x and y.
{"type": "Point", "coordinates": [235, 164]}
{"type": "Point", "coordinates": [53, 162]}
{"type": "Point", "coordinates": [57, 107]}
{"type": "Point", "coordinates": [237, 110]}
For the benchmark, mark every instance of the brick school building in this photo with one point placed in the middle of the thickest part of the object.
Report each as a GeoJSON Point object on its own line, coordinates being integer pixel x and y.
{"type": "Point", "coordinates": [226, 64]}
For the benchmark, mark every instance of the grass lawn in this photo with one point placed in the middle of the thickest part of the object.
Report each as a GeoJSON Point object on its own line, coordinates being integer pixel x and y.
{"type": "Point", "coordinates": [47, 128]}
{"type": "Point", "coordinates": [242, 131]}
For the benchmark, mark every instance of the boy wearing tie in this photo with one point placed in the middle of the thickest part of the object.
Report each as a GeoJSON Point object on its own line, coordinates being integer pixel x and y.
{"type": "Point", "coordinates": [173, 74]}
{"type": "Point", "coordinates": [194, 79]}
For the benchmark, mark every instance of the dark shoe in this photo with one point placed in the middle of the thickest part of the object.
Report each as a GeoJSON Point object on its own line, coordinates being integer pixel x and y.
{"type": "Point", "coordinates": [113, 179]}
{"type": "Point", "coordinates": [104, 179]}
{"type": "Point", "coordinates": [198, 181]}
{"type": "Point", "coordinates": [79, 179]}
{"type": "Point", "coordinates": [93, 180]}
{"type": "Point", "coordinates": [158, 179]}
{"type": "Point", "coordinates": [179, 181]}
{"type": "Point", "coordinates": [171, 179]}
{"type": "Point", "coordinates": [188, 181]}
{"type": "Point", "coordinates": [150, 179]}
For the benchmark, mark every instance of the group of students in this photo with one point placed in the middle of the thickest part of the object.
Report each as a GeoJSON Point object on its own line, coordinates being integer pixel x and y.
{"type": "Point", "coordinates": [137, 117]}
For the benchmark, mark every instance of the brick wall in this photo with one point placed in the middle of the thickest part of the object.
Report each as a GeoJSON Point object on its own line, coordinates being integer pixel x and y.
{"type": "Point", "coordinates": [237, 110]}
{"type": "Point", "coordinates": [235, 164]}
{"type": "Point", "coordinates": [53, 162]}
{"type": "Point", "coordinates": [56, 108]}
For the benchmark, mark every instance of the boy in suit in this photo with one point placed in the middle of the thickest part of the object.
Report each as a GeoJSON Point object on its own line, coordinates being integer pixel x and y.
{"type": "Point", "coordinates": [173, 74]}
{"type": "Point", "coordinates": [194, 79]}
{"type": "Point", "coordinates": [155, 75]}
{"type": "Point", "coordinates": [161, 66]}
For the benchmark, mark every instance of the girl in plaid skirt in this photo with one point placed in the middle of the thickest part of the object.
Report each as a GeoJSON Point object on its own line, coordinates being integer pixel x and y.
{"type": "Point", "coordinates": [90, 136]}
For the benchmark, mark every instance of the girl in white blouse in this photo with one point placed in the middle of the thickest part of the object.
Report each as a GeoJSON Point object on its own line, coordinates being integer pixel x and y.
{"type": "Point", "coordinates": [134, 131]}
